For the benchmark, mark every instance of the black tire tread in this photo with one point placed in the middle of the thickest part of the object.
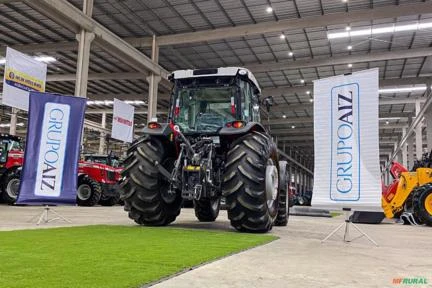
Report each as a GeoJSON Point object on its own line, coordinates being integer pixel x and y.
{"type": "Point", "coordinates": [11, 174]}
{"type": "Point", "coordinates": [96, 192]}
{"type": "Point", "coordinates": [204, 211]}
{"type": "Point", "coordinates": [140, 190]}
{"type": "Point", "coordinates": [244, 183]}
{"type": "Point", "coordinates": [418, 198]}
{"type": "Point", "coordinates": [109, 201]}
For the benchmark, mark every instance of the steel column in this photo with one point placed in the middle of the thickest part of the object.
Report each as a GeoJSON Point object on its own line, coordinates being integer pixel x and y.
{"type": "Point", "coordinates": [102, 135]}
{"type": "Point", "coordinates": [13, 121]}
{"type": "Point", "coordinates": [428, 119]}
{"type": "Point", "coordinates": [404, 149]}
{"type": "Point", "coordinates": [410, 151]}
{"type": "Point", "coordinates": [418, 133]}
{"type": "Point", "coordinates": [153, 81]}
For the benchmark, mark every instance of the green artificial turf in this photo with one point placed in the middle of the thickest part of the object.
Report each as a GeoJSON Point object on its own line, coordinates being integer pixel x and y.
{"type": "Point", "coordinates": [335, 214]}
{"type": "Point", "coordinates": [110, 256]}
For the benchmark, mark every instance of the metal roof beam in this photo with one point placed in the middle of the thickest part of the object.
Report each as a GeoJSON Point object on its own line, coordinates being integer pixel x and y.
{"type": "Point", "coordinates": [74, 19]}
{"type": "Point", "coordinates": [309, 106]}
{"type": "Point", "coordinates": [298, 131]}
{"type": "Point", "coordinates": [299, 120]}
{"type": "Point", "coordinates": [110, 111]}
{"type": "Point", "coordinates": [394, 11]}
{"type": "Point", "coordinates": [340, 60]}
{"type": "Point", "coordinates": [281, 90]}
{"type": "Point", "coordinates": [247, 30]}
{"type": "Point", "coordinates": [98, 76]}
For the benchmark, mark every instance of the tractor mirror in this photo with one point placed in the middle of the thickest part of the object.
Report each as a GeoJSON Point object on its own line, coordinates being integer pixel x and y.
{"type": "Point", "coordinates": [268, 102]}
{"type": "Point", "coordinates": [3, 152]}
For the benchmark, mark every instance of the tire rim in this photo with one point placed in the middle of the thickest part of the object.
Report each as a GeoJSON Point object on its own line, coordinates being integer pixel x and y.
{"type": "Point", "coordinates": [428, 203]}
{"type": "Point", "coordinates": [271, 183]}
{"type": "Point", "coordinates": [84, 192]}
{"type": "Point", "coordinates": [12, 188]}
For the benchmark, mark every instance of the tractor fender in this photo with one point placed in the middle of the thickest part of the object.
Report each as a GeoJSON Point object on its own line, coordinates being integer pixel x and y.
{"type": "Point", "coordinates": [249, 127]}
{"type": "Point", "coordinates": [82, 175]}
{"type": "Point", "coordinates": [163, 130]}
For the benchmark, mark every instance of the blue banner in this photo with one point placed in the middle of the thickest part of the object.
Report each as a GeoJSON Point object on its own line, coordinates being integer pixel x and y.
{"type": "Point", "coordinates": [50, 168]}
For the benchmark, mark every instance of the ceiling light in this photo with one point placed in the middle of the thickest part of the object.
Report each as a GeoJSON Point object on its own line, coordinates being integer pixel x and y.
{"type": "Point", "coordinates": [302, 81]}
{"type": "Point", "coordinates": [344, 1]}
{"type": "Point", "coordinates": [381, 30]}
{"type": "Point", "coordinates": [269, 9]}
{"type": "Point", "coordinates": [348, 28]}
{"type": "Point", "coordinates": [349, 47]}
{"type": "Point", "coordinates": [387, 122]}
{"type": "Point", "coordinates": [402, 89]}
{"type": "Point", "coordinates": [308, 92]}
{"type": "Point", "coordinates": [349, 65]}
{"type": "Point", "coordinates": [311, 100]}
{"type": "Point", "coordinates": [292, 127]}
{"type": "Point", "coordinates": [390, 118]}
{"type": "Point", "coordinates": [2, 61]}
{"type": "Point", "coordinates": [290, 53]}
{"type": "Point", "coordinates": [282, 36]}
{"type": "Point", "coordinates": [45, 59]}
{"type": "Point", "coordinates": [284, 116]}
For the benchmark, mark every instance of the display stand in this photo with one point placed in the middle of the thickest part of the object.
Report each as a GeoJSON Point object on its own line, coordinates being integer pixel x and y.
{"type": "Point", "coordinates": [44, 217]}
{"type": "Point", "coordinates": [347, 223]}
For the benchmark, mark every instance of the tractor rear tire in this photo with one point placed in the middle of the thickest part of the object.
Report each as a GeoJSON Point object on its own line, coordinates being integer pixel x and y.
{"type": "Point", "coordinates": [207, 210]}
{"type": "Point", "coordinates": [109, 201]}
{"type": "Point", "coordinates": [422, 204]}
{"type": "Point", "coordinates": [144, 190]}
{"type": "Point", "coordinates": [10, 187]}
{"type": "Point", "coordinates": [89, 191]}
{"type": "Point", "coordinates": [283, 211]}
{"type": "Point", "coordinates": [244, 185]}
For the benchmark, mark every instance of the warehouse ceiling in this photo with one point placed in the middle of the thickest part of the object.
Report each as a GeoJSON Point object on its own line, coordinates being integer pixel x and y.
{"type": "Point", "coordinates": [286, 48]}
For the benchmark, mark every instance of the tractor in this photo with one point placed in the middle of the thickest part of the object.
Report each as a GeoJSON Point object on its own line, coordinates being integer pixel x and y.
{"type": "Point", "coordinates": [98, 177]}
{"type": "Point", "coordinates": [212, 145]}
{"type": "Point", "coordinates": [12, 155]}
{"type": "Point", "coordinates": [409, 196]}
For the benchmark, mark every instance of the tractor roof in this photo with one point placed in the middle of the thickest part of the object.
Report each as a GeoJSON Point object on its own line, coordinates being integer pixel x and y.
{"type": "Point", "coordinates": [221, 71]}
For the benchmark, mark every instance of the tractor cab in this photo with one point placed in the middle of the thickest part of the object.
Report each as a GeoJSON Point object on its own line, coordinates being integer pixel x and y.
{"type": "Point", "coordinates": [109, 159]}
{"type": "Point", "coordinates": [206, 100]}
{"type": "Point", "coordinates": [12, 151]}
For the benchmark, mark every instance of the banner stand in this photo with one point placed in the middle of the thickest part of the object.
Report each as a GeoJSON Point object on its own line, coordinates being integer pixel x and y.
{"type": "Point", "coordinates": [44, 217]}
{"type": "Point", "coordinates": [346, 224]}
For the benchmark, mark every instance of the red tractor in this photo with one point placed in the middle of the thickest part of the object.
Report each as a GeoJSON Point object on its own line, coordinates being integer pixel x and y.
{"type": "Point", "coordinates": [98, 176]}
{"type": "Point", "coordinates": [12, 156]}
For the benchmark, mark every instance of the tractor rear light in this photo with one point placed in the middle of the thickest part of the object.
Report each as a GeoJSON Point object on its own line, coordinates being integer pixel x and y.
{"type": "Point", "coordinates": [235, 124]}
{"type": "Point", "coordinates": [177, 108]}
{"type": "Point", "coordinates": [233, 110]}
{"type": "Point", "coordinates": [154, 125]}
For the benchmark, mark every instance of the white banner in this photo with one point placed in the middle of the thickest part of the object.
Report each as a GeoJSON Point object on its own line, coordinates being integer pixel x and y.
{"type": "Point", "coordinates": [22, 75]}
{"type": "Point", "coordinates": [123, 121]}
{"type": "Point", "coordinates": [347, 172]}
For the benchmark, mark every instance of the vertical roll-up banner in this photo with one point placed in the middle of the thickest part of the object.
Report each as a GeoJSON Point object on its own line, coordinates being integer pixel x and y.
{"type": "Point", "coordinates": [123, 121]}
{"type": "Point", "coordinates": [50, 169]}
{"type": "Point", "coordinates": [22, 75]}
{"type": "Point", "coordinates": [347, 171]}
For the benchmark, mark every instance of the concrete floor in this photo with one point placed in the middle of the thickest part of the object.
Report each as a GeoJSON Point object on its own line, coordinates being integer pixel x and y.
{"type": "Point", "coordinates": [297, 259]}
